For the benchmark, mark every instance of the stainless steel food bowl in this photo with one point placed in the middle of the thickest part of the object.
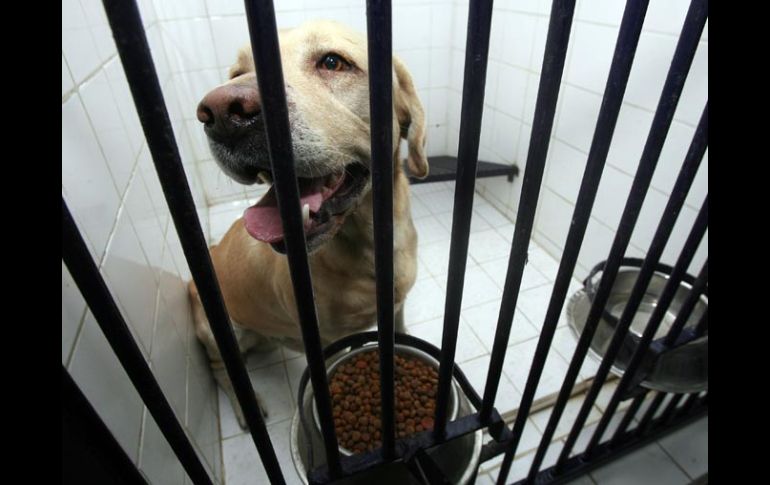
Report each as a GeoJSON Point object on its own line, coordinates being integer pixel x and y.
{"type": "Point", "coordinates": [683, 369]}
{"type": "Point", "coordinates": [399, 350]}
{"type": "Point", "coordinates": [458, 459]}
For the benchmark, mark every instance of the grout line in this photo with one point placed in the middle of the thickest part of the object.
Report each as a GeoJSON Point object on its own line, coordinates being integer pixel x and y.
{"type": "Point", "coordinates": [75, 341]}
{"type": "Point", "coordinates": [142, 430]}
{"type": "Point", "coordinates": [76, 88]}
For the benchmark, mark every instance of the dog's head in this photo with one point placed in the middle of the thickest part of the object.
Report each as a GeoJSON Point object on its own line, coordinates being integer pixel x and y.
{"type": "Point", "coordinates": [327, 88]}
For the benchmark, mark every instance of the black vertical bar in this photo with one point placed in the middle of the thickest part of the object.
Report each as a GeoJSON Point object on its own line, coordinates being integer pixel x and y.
{"type": "Point", "coordinates": [672, 89]}
{"type": "Point", "coordinates": [616, 83]}
{"type": "Point", "coordinates": [131, 41]}
{"type": "Point", "coordinates": [608, 114]}
{"type": "Point", "coordinates": [557, 40]}
{"type": "Point", "coordinates": [267, 60]}
{"type": "Point", "coordinates": [90, 453]}
{"type": "Point", "coordinates": [379, 33]}
{"type": "Point", "coordinates": [665, 299]}
{"type": "Point", "coordinates": [676, 201]}
{"type": "Point", "coordinates": [91, 284]}
{"type": "Point", "coordinates": [476, 55]}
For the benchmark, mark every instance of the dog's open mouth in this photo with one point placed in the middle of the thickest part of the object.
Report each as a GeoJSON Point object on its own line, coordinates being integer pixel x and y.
{"type": "Point", "coordinates": [324, 201]}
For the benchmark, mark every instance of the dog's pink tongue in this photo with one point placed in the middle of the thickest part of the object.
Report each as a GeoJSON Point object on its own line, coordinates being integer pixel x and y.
{"type": "Point", "coordinates": [263, 219]}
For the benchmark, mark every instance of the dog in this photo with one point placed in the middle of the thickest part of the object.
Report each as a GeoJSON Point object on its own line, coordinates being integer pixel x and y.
{"type": "Point", "coordinates": [327, 89]}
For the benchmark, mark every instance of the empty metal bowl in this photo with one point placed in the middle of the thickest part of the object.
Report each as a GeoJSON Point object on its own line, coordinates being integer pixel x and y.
{"type": "Point", "coordinates": [683, 369]}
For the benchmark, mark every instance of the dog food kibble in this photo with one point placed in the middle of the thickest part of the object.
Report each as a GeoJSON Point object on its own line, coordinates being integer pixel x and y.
{"type": "Point", "coordinates": [355, 390]}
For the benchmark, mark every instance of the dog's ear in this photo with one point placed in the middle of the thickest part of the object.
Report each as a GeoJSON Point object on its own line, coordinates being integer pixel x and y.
{"type": "Point", "coordinates": [243, 64]}
{"type": "Point", "coordinates": [411, 119]}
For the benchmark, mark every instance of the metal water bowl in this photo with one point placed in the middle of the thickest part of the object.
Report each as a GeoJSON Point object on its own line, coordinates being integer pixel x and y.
{"type": "Point", "coordinates": [683, 369]}
{"type": "Point", "coordinates": [458, 459]}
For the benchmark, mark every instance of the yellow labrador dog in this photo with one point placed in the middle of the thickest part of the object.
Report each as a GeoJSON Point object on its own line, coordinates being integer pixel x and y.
{"type": "Point", "coordinates": [325, 71]}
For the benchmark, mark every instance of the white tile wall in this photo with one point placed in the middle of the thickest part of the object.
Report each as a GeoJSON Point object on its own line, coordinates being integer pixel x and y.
{"type": "Point", "coordinates": [102, 379]}
{"type": "Point", "coordinates": [78, 45]}
{"type": "Point", "coordinates": [86, 180]}
{"type": "Point", "coordinates": [110, 186]}
{"type": "Point", "coordinates": [589, 56]}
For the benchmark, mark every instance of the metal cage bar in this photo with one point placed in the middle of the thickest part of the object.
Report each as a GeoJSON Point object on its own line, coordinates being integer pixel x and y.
{"type": "Point", "coordinates": [625, 48]}
{"type": "Point", "coordinates": [94, 290]}
{"type": "Point", "coordinates": [260, 15]}
{"type": "Point", "coordinates": [380, 34]}
{"type": "Point", "coordinates": [126, 25]}
{"type": "Point", "coordinates": [672, 89]}
{"type": "Point", "coordinates": [476, 56]}
{"type": "Point", "coordinates": [545, 109]}
{"type": "Point", "coordinates": [533, 176]}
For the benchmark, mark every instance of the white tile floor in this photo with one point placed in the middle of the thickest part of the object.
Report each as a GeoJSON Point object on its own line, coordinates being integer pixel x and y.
{"type": "Point", "coordinates": [275, 375]}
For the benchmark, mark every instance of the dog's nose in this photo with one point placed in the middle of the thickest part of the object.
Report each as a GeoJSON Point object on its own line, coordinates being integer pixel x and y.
{"type": "Point", "coordinates": [229, 110]}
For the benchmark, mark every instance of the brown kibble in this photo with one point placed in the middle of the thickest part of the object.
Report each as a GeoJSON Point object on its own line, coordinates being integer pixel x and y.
{"type": "Point", "coordinates": [355, 393]}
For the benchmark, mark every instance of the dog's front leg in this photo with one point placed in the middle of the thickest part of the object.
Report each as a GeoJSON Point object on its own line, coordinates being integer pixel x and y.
{"type": "Point", "coordinates": [399, 320]}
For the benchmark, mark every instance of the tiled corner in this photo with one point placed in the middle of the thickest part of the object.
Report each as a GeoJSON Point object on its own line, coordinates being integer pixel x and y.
{"type": "Point", "coordinates": [158, 460]}
{"type": "Point", "coordinates": [78, 44]}
{"type": "Point", "coordinates": [86, 180]}
{"type": "Point", "coordinates": [99, 375]}
{"type": "Point", "coordinates": [131, 280]}
{"type": "Point", "coordinates": [169, 364]}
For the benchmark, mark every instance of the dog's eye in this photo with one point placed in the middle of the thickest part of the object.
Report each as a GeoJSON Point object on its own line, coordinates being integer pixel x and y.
{"type": "Point", "coordinates": [334, 62]}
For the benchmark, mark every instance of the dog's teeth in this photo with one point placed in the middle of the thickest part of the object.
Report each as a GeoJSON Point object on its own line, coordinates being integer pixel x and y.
{"type": "Point", "coordinates": [305, 213]}
{"type": "Point", "coordinates": [264, 177]}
